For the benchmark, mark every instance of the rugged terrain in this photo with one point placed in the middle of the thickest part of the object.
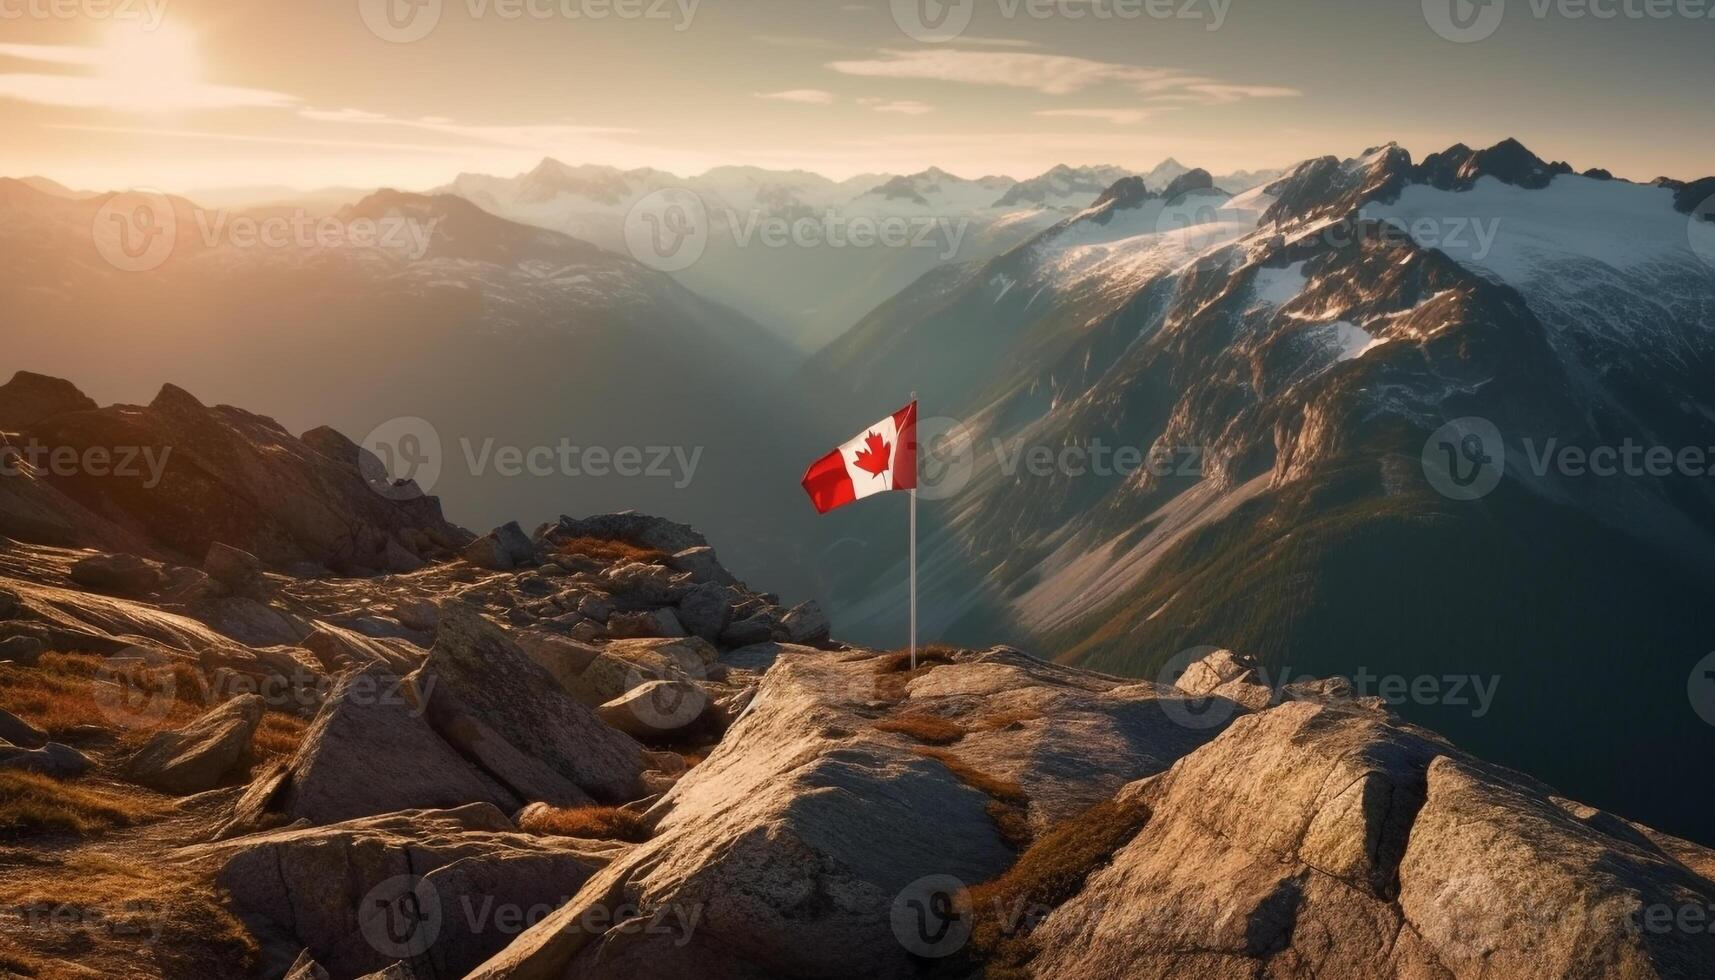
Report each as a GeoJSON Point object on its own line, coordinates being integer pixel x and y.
{"type": "Point", "coordinates": [1283, 365]}
{"type": "Point", "coordinates": [591, 751]}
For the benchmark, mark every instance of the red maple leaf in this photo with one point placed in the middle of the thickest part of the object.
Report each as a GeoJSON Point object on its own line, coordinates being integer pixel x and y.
{"type": "Point", "coordinates": [875, 456]}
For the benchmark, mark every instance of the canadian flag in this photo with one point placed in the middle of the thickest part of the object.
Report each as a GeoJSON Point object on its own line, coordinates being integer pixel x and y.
{"type": "Point", "coordinates": [880, 458]}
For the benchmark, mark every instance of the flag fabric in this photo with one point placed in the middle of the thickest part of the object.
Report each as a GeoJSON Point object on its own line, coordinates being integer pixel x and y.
{"type": "Point", "coordinates": [882, 457]}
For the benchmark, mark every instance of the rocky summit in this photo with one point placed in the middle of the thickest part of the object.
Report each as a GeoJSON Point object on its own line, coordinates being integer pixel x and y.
{"type": "Point", "coordinates": [326, 734]}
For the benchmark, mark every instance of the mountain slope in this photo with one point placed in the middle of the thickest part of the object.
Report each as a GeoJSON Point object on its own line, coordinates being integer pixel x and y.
{"type": "Point", "coordinates": [554, 375]}
{"type": "Point", "coordinates": [1287, 358]}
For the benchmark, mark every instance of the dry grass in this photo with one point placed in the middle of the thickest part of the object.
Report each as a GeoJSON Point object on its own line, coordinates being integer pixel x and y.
{"type": "Point", "coordinates": [64, 693]}
{"type": "Point", "coordinates": [894, 661]}
{"type": "Point", "coordinates": [593, 822]}
{"type": "Point", "coordinates": [1008, 807]}
{"type": "Point", "coordinates": [278, 737]}
{"type": "Point", "coordinates": [610, 551]}
{"type": "Point", "coordinates": [893, 670]}
{"type": "Point", "coordinates": [926, 728]}
{"type": "Point", "coordinates": [59, 695]}
{"type": "Point", "coordinates": [101, 915]}
{"type": "Point", "coordinates": [1045, 876]}
{"type": "Point", "coordinates": [33, 804]}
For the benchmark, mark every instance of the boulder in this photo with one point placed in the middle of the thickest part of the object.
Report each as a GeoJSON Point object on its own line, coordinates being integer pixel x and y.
{"type": "Point", "coordinates": [9, 603]}
{"type": "Point", "coordinates": [688, 654]}
{"type": "Point", "coordinates": [640, 584]}
{"type": "Point", "coordinates": [758, 657]}
{"type": "Point", "coordinates": [1227, 675]}
{"type": "Point", "coordinates": [240, 571]}
{"type": "Point", "coordinates": [781, 854]}
{"type": "Point", "coordinates": [664, 711]}
{"type": "Point", "coordinates": [753, 629]}
{"type": "Point", "coordinates": [384, 628]}
{"type": "Point", "coordinates": [25, 651]}
{"type": "Point", "coordinates": [417, 614]}
{"type": "Point", "coordinates": [806, 623]}
{"type": "Point", "coordinates": [187, 586]}
{"type": "Point", "coordinates": [702, 565]}
{"type": "Point", "coordinates": [51, 759]}
{"type": "Point", "coordinates": [651, 623]}
{"type": "Point", "coordinates": [1068, 739]}
{"type": "Point", "coordinates": [339, 649]}
{"type": "Point", "coordinates": [369, 751]}
{"type": "Point", "coordinates": [251, 622]}
{"type": "Point", "coordinates": [502, 549]}
{"type": "Point", "coordinates": [20, 732]}
{"type": "Point", "coordinates": [454, 885]}
{"type": "Point", "coordinates": [125, 575]}
{"type": "Point", "coordinates": [203, 754]}
{"type": "Point", "coordinates": [563, 657]}
{"type": "Point", "coordinates": [705, 610]}
{"type": "Point", "coordinates": [497, 704]}
{"type": "Point", "coordinates": [1290, 843]}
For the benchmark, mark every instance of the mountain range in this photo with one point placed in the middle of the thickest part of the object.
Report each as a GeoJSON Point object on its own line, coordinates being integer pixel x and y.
{"type": "Point", "coordinates": [1294, 365]}
{"type": "Point", "coordinates": [1345, 398]}
{"type": "Point", "coordinates": [809, 295]}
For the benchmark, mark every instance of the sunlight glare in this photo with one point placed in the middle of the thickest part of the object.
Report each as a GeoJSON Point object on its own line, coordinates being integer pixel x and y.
{"type": "Point", "coordinates": [151, 71]}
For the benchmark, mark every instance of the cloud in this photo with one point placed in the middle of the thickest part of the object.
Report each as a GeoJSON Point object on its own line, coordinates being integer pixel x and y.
{"type": "Point", "coordinates": [153, 87]}
{"type": "Point", "coordinates": [54, 54]}
{"type": "Point", "coordinates": [529, 136]}
{"type": "Point", "coordinates": [81, 92]}
{"type": "Point", "coordinates": [903, 107]}
{"type": "Point", "coordinates": [1232, 93]}
{"type": "Point", "coordinates": [1119, 117]}
{"type": "Point", "coordinates": [804, 96]}
{"type": "Point", "coordinates": [1049, 74]}
{"type": "Point", "coordinates": [262, 139]}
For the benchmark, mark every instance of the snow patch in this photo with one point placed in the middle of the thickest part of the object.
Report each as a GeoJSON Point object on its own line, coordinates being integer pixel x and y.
{"type": "Point", "coordinates": [1278, 287]}
{"type": "Point", "coordinates": [1349, 340]}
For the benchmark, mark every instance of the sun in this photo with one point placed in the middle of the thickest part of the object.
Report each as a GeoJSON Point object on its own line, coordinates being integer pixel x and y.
{"type": "Point", "coordinates": [151, 70]}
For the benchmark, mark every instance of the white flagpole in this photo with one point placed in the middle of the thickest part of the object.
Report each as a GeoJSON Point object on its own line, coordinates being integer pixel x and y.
{"type": "Point", "coordinates": [913, 550]}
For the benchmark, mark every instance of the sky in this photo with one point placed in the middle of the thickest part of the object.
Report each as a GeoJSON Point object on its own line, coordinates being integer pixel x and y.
{"type": "Point", "coordinates": [181, 95]}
